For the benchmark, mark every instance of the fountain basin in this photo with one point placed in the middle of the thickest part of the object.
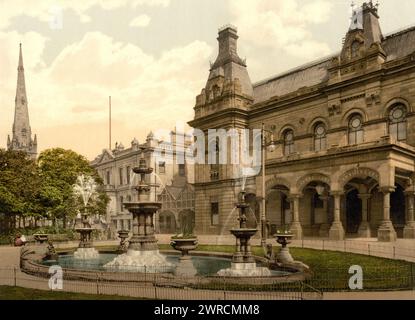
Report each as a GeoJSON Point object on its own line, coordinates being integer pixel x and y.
{"type": "Point", "coordinates": [244, 233]}
{"type": "Point", "coordinates": [184, 245]}
{"type": "Point", "coordinates": [145, 207]}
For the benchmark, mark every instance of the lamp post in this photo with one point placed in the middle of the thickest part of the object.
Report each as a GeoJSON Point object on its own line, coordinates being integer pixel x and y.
{"type": "Point", "coordinates": [270, 145]}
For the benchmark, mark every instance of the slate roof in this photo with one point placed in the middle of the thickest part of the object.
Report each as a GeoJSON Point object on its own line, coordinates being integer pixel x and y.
{"type": "Point", "coordinates": [396, 45]}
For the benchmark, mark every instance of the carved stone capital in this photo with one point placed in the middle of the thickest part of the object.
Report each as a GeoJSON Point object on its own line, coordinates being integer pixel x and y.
{"type": "Point", "coordinates": [387, 189]}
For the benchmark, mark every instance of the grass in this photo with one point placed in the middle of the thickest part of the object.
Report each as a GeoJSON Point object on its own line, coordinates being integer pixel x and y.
{"type": "Point", "coordinates": [17, 293]}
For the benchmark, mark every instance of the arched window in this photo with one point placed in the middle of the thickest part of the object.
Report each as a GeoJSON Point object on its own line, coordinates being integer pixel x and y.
{"type": "Point", "coordinates": [288, 142]}
{"type": "Point", "coordinates": [397, 122]}
{"type": "Point", "coordinates": [320, 141]}
{"type": "Point", "coordinates": [356, 133]}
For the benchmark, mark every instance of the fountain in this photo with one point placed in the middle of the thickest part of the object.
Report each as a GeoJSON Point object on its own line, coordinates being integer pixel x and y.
{"type": "Point", "coordinates": [243, 263]}
{"type": "Point", "coordinates": [143, 254]}
{"type": "Point", "coordinates": [85, 188]}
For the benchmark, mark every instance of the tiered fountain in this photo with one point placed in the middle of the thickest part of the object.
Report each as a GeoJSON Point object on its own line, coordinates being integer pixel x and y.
{"type": "Point", "coordinates": [243, 263]}
{"type": "Point", "coordinates": [143, 254]}
{"type": "Point", "coordinates": [86, 188]}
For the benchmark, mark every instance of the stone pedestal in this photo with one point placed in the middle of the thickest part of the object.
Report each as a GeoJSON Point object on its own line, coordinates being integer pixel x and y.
{"type": "Point", "coordinates": [185, 268]}
{"type": "Point", "coordinates": [386, 232]}
{"type": "Point", "coordinates": [336, 231]}
{"type": "Point", "coordinates": [409, 230]}
{"type": "Point", "coordinates": [284, 256]}
{"type": "Point", "coordinates": [296, 230]}
{"type": "Point", "coordinates": [364, 230]}
{"type": "Point", "coordinates": [324, 230]}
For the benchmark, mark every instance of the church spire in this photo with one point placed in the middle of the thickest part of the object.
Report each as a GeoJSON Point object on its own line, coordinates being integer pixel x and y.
{"type": "Point", "coordinates": [22, 133]}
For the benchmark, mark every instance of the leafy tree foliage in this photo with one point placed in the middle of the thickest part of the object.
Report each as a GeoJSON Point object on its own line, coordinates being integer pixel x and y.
{"type": "Point", "coordinates": [44, 189]}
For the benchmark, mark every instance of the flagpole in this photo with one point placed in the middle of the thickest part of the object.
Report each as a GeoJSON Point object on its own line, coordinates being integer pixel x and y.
{"type": "Point", "coordinates": [110, 143]}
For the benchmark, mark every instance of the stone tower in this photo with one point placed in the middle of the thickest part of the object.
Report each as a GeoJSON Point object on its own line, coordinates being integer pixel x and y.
{"type": "Point", "coordinates": [223, 104]}
{"type": "Point", "coordinates": [22, 133]}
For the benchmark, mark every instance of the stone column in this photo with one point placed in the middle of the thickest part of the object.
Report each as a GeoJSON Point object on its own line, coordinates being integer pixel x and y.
{"type": "Point", "coordinates": [296, 227]}
{"type": "Point", "coordinates": [336, 231]}
{"type": "Point", "coordinates": [386, 231]}
{"type": "Point", "coordinates": [364, 228]}
{"type": "Point", "coordinates": [409, 230]}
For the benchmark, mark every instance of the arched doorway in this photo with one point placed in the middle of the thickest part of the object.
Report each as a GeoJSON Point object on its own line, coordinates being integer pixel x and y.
{"type": "Point", "coordinates": [167, 222]}
{"type": "Point", "coordinates": [362, 203]}
{"type": "Point", "coordinates": [317, 213]}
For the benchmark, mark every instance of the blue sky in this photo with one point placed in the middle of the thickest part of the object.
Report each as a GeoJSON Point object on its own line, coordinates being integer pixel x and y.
{"type": "Point", "coordinates": [151, 56]}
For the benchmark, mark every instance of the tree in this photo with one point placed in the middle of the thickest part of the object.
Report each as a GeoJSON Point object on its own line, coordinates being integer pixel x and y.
{"type": "Point", "coordinates": [59, 169]}
{"type": "Point", "coordinates": [19, 187]}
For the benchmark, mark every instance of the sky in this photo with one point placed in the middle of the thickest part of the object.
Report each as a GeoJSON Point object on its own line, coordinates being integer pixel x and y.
{"type": "Point", "coordinates": [152, 57]}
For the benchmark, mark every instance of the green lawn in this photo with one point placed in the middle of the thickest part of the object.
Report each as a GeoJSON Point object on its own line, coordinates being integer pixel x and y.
{"type": "Point", "coordinates": [17, 293]}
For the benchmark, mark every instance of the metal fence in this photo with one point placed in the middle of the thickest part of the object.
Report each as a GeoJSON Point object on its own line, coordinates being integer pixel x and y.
{"type": "Point", "coordinates": [376, 249]}
{"type": "Point", "coordinates": [159, 286]}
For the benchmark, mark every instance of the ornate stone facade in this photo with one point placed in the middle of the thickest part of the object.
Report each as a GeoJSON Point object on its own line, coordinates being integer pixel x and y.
{"type": "Point", "coordinates": [168, 178]}
{"type": "Point", "coordinates": [345, 129]}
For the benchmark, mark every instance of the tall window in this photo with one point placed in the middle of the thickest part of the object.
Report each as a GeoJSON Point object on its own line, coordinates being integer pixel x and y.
{"type": "Point", "coordinates": [121, 176]}
{"type": "Point", "coordinates": [320, 141]}
{"type": "Point", "coordinates": [121, 203]}
{"type": "Point", "coordinates": [108, 177]}
{"type": "Point", "coordinates": [214, 159]}
{"type": "Point", "coordinates": [162, 167]}
{"type": "Point", "coordinates": [288, 142]}
{"type": "Point", "coordinates": [128, 175]}
{"type": "Point", "coordinates": [356, 133]}
{"type": "Point", "coordinates": [214, 213]}
{"type": "Point", "coordinates": [397, 122]}
{"type": "Point", "coordinates": [182, 170]}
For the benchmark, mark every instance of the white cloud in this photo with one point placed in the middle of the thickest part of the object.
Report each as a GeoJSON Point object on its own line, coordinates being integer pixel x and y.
{"type": "Point", "coordinates": [68, 100]}
{"type": "Point", "coordinates": [269, 29]}
{"type": "Point", "coordinates": [140, 21]}
{"type": "Point", "coordinates": [43, 9]}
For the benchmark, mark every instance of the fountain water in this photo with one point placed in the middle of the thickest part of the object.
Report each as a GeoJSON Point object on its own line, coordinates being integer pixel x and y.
{"type": "Point", "coordinates": [143, 254]}
{"type": "Point", "coordinates": [86, 188]}
{"type": "Point", "coordinates": [243, 263]}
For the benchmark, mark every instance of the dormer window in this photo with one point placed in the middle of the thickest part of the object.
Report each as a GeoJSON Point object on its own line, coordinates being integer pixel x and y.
{"type": "Point", "coordinates": [216, 91]}
{"type": "Point", "coordinates": [355, 47]}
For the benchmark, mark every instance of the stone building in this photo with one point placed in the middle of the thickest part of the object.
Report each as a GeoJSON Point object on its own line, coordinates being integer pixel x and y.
{"type": "Point", "coordinates": [22, 133]}
{"type": "Point", "coordinates": [168, 178]}
{"type": "Point", "coordinates": [344, 127]}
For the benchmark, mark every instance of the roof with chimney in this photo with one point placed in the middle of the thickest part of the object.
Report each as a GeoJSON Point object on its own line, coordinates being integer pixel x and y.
{"type": "Point", "coordinates": [396, 46]}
